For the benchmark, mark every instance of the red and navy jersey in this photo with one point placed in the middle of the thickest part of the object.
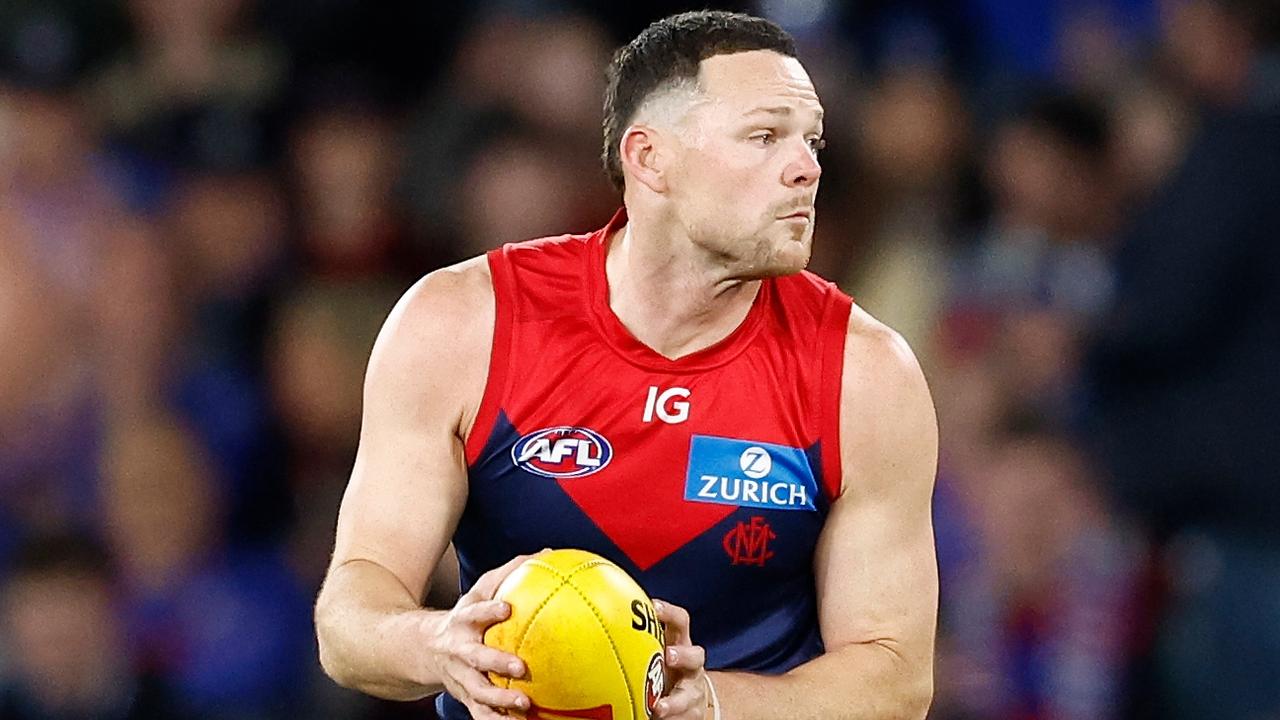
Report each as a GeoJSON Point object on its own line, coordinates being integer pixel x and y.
{"type": "Point", "coordinates": [708, 478]}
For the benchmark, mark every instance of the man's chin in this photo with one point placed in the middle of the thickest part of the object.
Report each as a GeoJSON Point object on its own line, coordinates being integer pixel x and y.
{"type": "Point", "coordinates": [785, 270]}
{"type": "Point", "coordinates": [786, 256]}
{"type": "Point", "coordinates": [790, 259]}
{"type": "Point", "coordinates": [781, 267]}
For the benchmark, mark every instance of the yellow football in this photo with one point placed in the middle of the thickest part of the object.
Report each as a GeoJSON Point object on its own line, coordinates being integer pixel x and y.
{"type": "Point", "coordinates": [588, 634]}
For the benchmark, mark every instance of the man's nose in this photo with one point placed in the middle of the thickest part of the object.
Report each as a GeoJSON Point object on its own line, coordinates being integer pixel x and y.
{"type": "Point", "coordinates": [804, 169]}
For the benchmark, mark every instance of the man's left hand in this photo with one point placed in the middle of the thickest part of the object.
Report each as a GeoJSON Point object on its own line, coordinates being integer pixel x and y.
{"type": "Point", "coordinates": [687, 696]}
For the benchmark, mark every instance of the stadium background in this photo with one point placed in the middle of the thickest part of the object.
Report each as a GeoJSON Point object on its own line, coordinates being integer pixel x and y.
{"type": "Point", "coordinates": [208, 206]}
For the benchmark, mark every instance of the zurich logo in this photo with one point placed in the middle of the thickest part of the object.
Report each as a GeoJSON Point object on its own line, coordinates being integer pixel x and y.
{"type": "Point", "coordinates": [745, 473]}
{"type": "Point", "coordinates": [562, 452]}
{"type": "Point", "coordinates": [755, 462]}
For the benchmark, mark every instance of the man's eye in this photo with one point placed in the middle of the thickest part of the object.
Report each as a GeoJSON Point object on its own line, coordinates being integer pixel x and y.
{"type": "Point", "coordinates": [817, 143]}
{"type": "Point", "coordinates": [764, 138]}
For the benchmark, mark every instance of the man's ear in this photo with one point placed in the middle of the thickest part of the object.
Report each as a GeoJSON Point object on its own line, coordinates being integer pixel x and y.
{"type": "Point", "coordinates": [644, 156]}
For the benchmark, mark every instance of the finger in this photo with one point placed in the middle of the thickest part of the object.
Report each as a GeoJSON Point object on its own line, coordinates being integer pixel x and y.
{"type": "Point", "coordinates": [458, 690]}
{"type": "Point", "coordinates": [676, 620]}
{"type": "Point", "coordinates": [480, 690]}
{"type": "Point", "coordinates": [487, 584]}
{"type": "Point", "coordinates": [683, 698]}
{"type": "Point", "coordinates": [483, 613]}
{"type": "Point", "coordinates": [486, 659]}
{"type": "Point", "coordinates": [479, 711]}
{"type": "Point", "coordinates": [686, 658]}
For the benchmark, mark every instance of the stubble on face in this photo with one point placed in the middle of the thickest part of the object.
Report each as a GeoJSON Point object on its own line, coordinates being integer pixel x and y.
{"type": "Point", "coordinates": [730, 196]}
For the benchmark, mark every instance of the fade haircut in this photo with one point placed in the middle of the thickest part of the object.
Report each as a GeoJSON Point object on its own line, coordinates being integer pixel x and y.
{"type": "Point", "coordinates": [668, 55]}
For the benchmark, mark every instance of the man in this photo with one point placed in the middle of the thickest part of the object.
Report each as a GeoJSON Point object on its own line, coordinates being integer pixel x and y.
{"type": "Point", "coordinates": [671, 392]}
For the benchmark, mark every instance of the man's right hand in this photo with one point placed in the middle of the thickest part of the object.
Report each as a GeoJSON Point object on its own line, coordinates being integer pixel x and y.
{"type": "Point", "coordinates": [461, 657]}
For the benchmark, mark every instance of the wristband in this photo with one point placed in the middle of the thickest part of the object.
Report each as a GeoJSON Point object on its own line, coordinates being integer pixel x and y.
{"type": "Point", "coordinates": [713, 702]}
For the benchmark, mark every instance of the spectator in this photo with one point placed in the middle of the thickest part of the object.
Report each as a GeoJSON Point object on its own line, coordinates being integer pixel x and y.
{"type": "Point", "coordinates": [225, 624]}
{"type": "Point", "coordinates": [1186, 394]}
{"type": "Point", "coordinates": [1039, 586]}
{"type": "Point", "coordinates": [1040, 272]}
{"type": "Point", "coordinates": [200, 87]}
{"type": "Point", "coordinates": [345, 168]}
{"type": "Point", "coordinates": [65, 643]}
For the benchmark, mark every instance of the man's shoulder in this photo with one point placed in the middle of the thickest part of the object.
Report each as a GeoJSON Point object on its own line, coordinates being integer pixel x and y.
{"type": "Point", "coordinates": [432, 349]}
{"type": "Point", "coordinates": [555, 254]}
{"type": "Point", "coordinates": [468, 278]}
{"type": "Point", "coordinates": [564, 243]}
{"type": "Point", "coordinates": [449, 310]}
{"type": "Point", "coordinates": [866, 334]}
{"type": "Point", "coordinates": [463, 294]}
{"type": "Point", "coordinates": [878, 363]}
{"type": "Point", "coordinates": [887, 416]}
{"type": "Point", "coordinates": [458, 292]}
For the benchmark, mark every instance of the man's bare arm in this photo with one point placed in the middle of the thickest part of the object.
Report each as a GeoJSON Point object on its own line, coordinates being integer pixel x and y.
{"type": "Point", "coordinates": [407, 490]}
{"type": "Point", "coordinates": [876, 564]}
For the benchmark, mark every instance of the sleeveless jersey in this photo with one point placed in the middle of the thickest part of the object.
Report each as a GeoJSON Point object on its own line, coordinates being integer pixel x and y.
{"type": "Point", "coordinates": [708, 478]}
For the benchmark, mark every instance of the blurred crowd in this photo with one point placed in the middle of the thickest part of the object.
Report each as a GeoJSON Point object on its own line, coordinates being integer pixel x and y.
{"type": "Point", "coordinates": [207, 207]}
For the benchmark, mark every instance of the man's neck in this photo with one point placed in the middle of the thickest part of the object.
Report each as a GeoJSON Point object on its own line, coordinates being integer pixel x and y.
{"type": "Point", "coordinates": [670, 298]}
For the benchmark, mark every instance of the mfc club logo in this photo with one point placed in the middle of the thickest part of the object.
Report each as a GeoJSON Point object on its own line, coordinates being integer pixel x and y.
{"type": "Point", "coordinates": [562, 452]}
{"type": "Point", "coordinates": [748, 543]}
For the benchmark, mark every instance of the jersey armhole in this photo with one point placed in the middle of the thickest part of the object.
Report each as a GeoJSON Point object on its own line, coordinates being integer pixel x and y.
{"type": "Point", "coordinates": [499, 359]}
{"type": "Point", "coordinates": [834, 332]}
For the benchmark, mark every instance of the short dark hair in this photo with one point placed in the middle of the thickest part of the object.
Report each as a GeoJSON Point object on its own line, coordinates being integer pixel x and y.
{"type": "Point", "coordinates": [669, 51]}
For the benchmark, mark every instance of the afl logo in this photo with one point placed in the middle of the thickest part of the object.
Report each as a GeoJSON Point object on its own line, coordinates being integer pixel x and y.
{"type": "Point", "coordinates": [655, 681]}
{"type": "Point", "coordinates": [562, 452]}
